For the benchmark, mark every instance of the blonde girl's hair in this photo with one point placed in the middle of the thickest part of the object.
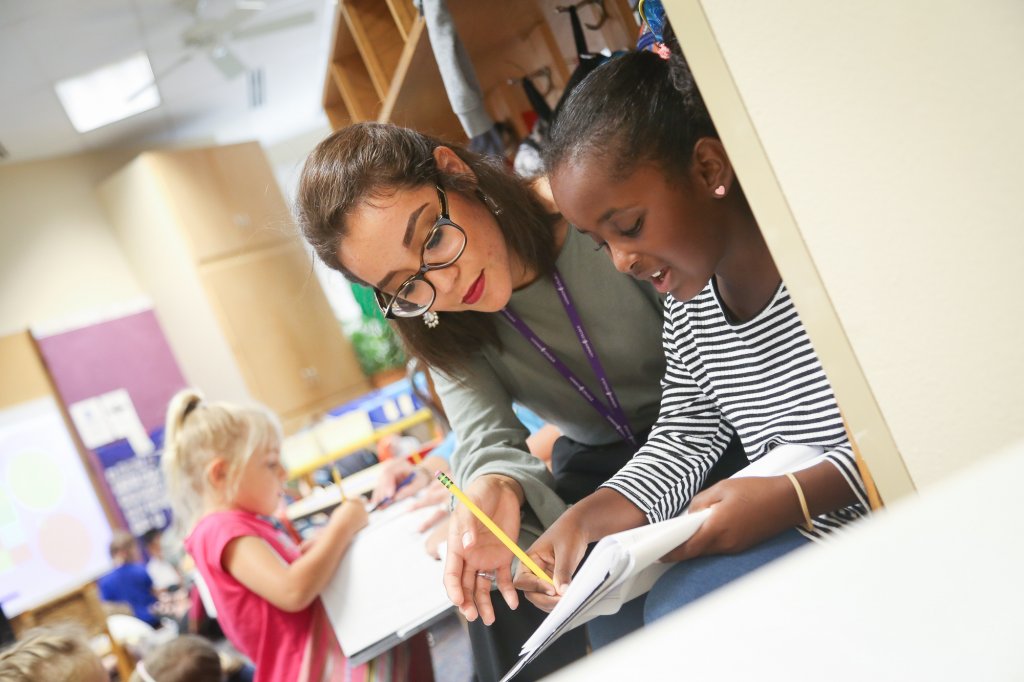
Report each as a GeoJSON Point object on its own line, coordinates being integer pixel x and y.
{"type": "Point", "coordinates": [197, 432]}
{"type": "Point", "coordinates": [58, 653]}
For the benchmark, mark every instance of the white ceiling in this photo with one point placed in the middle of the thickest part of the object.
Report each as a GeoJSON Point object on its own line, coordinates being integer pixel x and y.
{"type": "Point", "coordinates": [45, 41]}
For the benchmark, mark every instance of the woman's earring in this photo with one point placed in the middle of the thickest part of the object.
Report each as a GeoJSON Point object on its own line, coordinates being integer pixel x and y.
{"type": "Point", "coordinates": [720, 191]}
{"type": "Point", "coordinates": [488, 202]}
{"type": "Point", "coordinates": [431, 319]}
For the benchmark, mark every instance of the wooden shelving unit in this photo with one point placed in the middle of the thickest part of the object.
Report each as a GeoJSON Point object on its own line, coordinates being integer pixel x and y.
{"type": "Point", "coordinates": [382, 67]}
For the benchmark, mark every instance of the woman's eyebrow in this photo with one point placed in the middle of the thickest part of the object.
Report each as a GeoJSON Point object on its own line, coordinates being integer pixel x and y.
{"type": "Point", "coordinates": [410, 227]}
{"type": "Point", "coordinates": [410, 230]}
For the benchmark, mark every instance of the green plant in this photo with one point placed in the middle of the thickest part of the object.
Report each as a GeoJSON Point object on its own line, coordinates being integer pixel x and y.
{"type": "Point", "coordinates": [377, 347]}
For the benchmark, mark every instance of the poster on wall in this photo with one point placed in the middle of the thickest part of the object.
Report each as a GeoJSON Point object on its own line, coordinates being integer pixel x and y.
{"type": "Point", "coordinates": [117, 376]}
{"type": "Point", "coordinates": [54, 535]}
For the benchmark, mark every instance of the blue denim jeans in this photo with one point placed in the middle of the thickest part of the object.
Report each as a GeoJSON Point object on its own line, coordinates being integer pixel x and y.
{"type": "Point", "coordinates": [687, 581]}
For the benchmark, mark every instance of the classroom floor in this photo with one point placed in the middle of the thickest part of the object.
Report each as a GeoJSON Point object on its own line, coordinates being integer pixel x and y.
{"type": "Point", "coordinates": [450, 651]}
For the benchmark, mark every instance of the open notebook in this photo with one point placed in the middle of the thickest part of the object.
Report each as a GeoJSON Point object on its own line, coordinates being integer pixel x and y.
{"type": "Point", "coordinates": [625, 565]}
{"type": "Point", "coordinates": [386, 588]}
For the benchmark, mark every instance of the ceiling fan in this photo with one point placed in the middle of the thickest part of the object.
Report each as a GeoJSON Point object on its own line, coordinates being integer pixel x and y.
{"type": "Point", "coordinates": [213, 35]}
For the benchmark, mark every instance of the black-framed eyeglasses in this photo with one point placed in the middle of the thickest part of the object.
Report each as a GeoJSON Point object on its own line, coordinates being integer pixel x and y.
{"type": "Point", "coordinates": [442, 247]}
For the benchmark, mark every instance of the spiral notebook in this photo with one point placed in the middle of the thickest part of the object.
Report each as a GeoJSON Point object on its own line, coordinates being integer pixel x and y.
{"type": "Point", "coordinates": [625, 565]}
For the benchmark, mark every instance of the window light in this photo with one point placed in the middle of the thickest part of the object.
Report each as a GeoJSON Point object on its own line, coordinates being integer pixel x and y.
{"type": "Point", "coordinates": [110, 93]}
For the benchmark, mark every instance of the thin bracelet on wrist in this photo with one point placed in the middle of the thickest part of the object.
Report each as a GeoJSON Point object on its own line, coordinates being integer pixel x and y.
{"type": "Point", "coordinates": [808, 524]}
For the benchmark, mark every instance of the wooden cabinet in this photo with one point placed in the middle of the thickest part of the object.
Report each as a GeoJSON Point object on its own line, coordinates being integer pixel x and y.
{"type": "Point", "coordinates": [210, 237]}
{"type": "Point", "coordinates": [382, 67]}
{"type": "Point", "coordinates": [226, 200]}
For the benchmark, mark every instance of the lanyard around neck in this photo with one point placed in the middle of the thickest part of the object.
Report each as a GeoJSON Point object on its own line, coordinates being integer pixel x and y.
{"type": "Point", "coordinates": [613, 412]}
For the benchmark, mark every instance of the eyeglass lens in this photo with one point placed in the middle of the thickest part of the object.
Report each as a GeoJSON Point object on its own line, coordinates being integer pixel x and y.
{"type": "Point", "coordinates": [442, 249]}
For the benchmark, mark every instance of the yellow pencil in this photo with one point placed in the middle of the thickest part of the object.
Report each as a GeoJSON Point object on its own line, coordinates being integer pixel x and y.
{"type": "Point", "coordinates": [493, 527]}
{"type": "Point", "coordinates": [337, 482]}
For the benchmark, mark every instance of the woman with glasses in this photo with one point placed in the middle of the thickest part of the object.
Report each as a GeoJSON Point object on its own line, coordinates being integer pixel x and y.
{"type": "Point", "coordinates": [504, 302]}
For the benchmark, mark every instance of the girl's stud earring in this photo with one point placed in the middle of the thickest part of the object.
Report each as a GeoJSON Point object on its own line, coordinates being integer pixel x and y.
{"type": "Point", "coordinates": [720, 191]}
{"type": "Point", "coordinates": [431, 319]}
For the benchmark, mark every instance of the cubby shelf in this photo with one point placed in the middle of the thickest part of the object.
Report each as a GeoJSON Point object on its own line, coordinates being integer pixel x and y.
{"type": "Point", "coordinates": [382, 67]}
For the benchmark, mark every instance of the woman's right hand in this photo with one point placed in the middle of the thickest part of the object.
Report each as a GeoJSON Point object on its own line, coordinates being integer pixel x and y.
{"type": "Point", "coordinates": [472, 547]}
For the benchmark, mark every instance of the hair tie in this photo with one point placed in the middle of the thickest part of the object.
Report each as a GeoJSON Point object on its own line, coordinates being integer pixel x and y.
{"type": "Point", "coordinates": [190, 408]}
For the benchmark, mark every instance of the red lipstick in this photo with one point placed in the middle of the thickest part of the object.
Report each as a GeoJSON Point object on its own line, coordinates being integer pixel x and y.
{"type": "Point", "coordinates": [476, 290]}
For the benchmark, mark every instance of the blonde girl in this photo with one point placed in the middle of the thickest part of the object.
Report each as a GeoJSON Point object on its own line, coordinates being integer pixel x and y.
{"type": "Point", "coordinates": [224, 472]}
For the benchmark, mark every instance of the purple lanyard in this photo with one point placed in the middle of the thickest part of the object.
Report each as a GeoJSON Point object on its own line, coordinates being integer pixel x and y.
{"type": "Point", "coordinates": [614, 415]}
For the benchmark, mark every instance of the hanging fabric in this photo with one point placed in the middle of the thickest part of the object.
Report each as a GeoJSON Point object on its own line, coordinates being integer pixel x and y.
{"type": "Point", "coordinates": [459, 77]}
{"type": "Point", "coordinates": [537, 101]}
{"type": "Point", "coordinates": [588, 61]}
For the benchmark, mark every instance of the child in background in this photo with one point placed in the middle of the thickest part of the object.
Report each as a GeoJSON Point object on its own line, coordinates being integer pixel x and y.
{"type": "Point", "coordinates": [53, 654]}
{"type": "Point", "coordinates": [163, 573]}
{"type": "Point", "coordinates": [129, 582]}
{"type": "Point", "coordinates": [637, 165]}
{"type": "Point", "coordinates": [223, 469]}
{"type": "Point", "coordinates": [188, 658]}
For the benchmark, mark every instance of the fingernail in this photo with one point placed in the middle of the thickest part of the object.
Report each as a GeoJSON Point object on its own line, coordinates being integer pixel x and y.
{"type": "Point", "coordinates": [467, 539]}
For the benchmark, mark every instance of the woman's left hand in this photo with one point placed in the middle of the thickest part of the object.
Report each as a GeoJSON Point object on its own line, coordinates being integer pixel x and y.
{"type": "Point", "coordinates": [747, 511]}
{"type": "Point", "coordinates": [474, 552]}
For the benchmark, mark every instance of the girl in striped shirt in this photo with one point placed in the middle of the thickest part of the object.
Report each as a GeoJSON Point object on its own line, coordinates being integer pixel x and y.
{"type": "Point", "coordinates": [636, 164]}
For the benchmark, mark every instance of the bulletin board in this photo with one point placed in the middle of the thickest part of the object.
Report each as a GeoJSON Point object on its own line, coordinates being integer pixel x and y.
{"type": "Point", "coordinates": [116, 377]}
{"type": "Point", "coordinates": [54, 529]}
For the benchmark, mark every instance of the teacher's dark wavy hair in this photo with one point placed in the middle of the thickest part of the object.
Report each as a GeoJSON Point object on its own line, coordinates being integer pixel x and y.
{"type": "Point", "coordinates": [368, 161]}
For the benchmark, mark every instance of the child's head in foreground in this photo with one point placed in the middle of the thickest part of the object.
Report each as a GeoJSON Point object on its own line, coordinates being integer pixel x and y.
{"type": "Point", "coordinates": [188, 658]}
{"type": "Point", "coordinates": [54, 654]}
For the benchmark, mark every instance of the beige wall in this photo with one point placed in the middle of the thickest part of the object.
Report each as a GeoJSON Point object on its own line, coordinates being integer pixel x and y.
{"type": "Point", "coordinates": [58, 255]}
{"type": "Point", "coordinates": [881, 144]}
{"type": "Point", "coordinates": [60, 259]}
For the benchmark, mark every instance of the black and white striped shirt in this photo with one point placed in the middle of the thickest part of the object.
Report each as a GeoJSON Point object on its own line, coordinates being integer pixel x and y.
{"type": "Point", "coordinates": [762, 377]}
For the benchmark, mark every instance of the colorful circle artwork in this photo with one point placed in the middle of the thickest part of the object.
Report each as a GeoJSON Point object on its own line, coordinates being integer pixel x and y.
{"type": "Point", "coordinates": [65, 543]}
{"type": "Point", "coordinates": [36, 480]}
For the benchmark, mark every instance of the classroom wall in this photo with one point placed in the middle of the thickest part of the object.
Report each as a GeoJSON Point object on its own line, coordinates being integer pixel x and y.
{"type": "Point", "coordinates": [893, 131]}
{"type": "Point", "coordinates": [58, 254]}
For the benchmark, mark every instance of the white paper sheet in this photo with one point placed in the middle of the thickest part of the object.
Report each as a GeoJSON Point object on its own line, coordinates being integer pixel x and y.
{"type": "Point", "coordinates": [386, 584]}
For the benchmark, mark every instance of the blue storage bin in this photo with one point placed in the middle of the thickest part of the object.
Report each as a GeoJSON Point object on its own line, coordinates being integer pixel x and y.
{"type": "Point", "coordinates": [384, 405]}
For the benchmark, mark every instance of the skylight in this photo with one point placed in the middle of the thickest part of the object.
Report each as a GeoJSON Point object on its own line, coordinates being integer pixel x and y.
{"type": "Point", "coordinates": [110, 93]}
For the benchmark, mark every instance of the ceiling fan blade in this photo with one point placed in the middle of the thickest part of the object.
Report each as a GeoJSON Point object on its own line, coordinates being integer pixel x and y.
{"type": "Point", "coordinates": [205, 32]}
{"type": "Point", "coordinates": [291, 21]}
{"type": "Point", "coordinates": [226, 62]}
{"type": "Point", "coordinates": [157, 77]}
